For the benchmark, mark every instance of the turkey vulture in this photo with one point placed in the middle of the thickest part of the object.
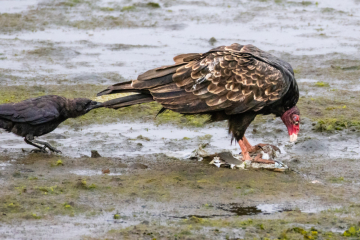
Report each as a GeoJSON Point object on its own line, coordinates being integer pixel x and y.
{"type": "Point", "coordinates": [233, 83]}
{"type": "Point", "coordinates": [38, 116]}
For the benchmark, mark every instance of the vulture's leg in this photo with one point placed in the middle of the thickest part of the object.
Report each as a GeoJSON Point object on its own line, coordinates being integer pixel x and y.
{"type": "Point", "coordinates": [249, 147]}
{"type": "Point", "coordinates": [238, 125]}
{"type": "Point", "coordinates": [47, 145]}
{"type": "Point", "coordinates": [29, 140]}
{"type": "Point", "coordinates": [244, 150]}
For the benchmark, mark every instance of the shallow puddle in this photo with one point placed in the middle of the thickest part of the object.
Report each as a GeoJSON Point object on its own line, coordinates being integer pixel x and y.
{"type": "Point", "coordinates": [92, 173]}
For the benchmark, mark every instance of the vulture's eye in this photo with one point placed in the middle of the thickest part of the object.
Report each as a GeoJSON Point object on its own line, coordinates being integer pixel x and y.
{"type": "Point", "coordinates": [296, 120]}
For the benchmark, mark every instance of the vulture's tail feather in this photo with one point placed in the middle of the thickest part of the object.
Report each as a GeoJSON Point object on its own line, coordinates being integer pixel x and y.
{"type": "Point", "coordinates": [124, 87]}
{"type": "Point", "coordinates": [128, 101]}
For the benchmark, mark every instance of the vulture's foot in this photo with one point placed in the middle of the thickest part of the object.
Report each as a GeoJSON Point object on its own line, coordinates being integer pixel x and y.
{"type": "Point", "coordinates": [252, 149]}
{"type": "Point", "coordinates": [246, 148]}
{"type": "Point", "coordinates": [258, 159]}
{"type": "Point", "coordinates": [262, 146]}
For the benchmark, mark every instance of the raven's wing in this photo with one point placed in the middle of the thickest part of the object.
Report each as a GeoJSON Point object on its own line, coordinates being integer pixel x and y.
{"type": "Point", "coordinates": [33, 111]}
{"type": "Point", "coordinates": [235, 78]}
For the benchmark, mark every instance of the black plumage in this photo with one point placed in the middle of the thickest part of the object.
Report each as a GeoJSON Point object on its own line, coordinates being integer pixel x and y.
{"type": "Point", "coordinates": [233, 83]}
{"type": "Point", "coordinates": [38, 116]}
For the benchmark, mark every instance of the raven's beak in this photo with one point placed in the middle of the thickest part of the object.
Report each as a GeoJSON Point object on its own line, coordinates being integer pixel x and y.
{"type": "Point", "coordinates": [94, 105]}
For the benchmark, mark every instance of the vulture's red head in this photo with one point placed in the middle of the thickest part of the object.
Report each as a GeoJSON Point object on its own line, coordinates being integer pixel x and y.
{"type": "Point", "coordinates": [291, 119]}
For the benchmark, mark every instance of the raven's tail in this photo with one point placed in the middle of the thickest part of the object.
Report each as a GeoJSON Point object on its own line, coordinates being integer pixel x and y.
{"type": "Point", "coordinates": [132, 96]}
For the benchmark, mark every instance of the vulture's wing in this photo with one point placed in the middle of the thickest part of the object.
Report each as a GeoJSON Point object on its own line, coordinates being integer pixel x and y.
{"type": "Point", "coordinates": [33, 111]}
{"type": "Point", "coordinates": [235, 78]}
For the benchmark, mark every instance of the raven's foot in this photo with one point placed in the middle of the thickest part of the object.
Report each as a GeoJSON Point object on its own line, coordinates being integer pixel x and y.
{"type": "Point", "coordinates": [30, 140]}
{"type": "Point", "coordinates": [40, 150]}
{"type": "Point", "coordinates": [47, 145]}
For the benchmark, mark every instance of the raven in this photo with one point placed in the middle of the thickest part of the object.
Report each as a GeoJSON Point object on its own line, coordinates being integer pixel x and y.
{"type": "Point", "coordinates": [38, 116]}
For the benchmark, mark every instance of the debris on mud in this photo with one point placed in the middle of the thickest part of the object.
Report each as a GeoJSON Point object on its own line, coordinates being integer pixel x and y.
{"type": "Point", "coordinates": [228, 160]}
{"type": "Point", "coordinates": [95, 154]}
{"type": "Point", "coordinates": [138, 166]}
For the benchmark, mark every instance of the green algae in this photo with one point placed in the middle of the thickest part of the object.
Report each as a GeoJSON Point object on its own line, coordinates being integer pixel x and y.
{"type": "Point", "coordinates": [128, 8]}
{"type": "Point", "coordinates": [153, 5]}
{"type": "Point", "coordinates": [353, 231]}
{"type": "Point", "coordinates": [322, 84]}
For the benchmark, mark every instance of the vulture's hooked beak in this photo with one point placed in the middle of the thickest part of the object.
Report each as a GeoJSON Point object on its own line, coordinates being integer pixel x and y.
{"type": "Point", "coordinates": [293, 137]}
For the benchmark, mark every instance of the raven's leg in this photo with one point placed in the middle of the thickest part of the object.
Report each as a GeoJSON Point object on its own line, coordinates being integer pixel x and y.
{"type": "Point", "coordinates": [46, 144]}
{"type": "Point", "coordinates": [258, 146]}
{"type": "Point", "coordinates": [28, 139]}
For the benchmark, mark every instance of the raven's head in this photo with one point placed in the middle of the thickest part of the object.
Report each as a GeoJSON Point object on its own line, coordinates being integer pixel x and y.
{"type": "Point", "coordinates": [82, 106]}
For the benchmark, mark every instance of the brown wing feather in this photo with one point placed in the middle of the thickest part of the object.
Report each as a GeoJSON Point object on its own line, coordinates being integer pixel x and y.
{"type": "Point", "coordinates": [234, 79]}
{"type": "Point", "coordinates": [186, 57]}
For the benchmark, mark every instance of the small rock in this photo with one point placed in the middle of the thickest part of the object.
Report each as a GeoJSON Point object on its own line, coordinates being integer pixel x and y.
{"type": "Point", "coordinates": [145, 222]}
{"type": "Point", "coordinates": [295, 160]}
{"type": "Point", "coordinates": [212, 41]}
{"type": "Point", "coordinates": [316, 181]}
{"type": "Point", "coordinates": [141, 137]}
{"type": "Point", "coordinates": [138, 166]}
{"type": "Point", "coordinates": [95, 154]}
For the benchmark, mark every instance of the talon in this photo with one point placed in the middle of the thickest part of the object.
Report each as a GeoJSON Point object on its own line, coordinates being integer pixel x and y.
{"type": "Point", "coordinates": [55, 150]}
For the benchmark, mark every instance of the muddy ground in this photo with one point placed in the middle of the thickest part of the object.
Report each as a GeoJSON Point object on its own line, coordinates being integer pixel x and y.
{"type": "Point", "coordinates": [143, 186]}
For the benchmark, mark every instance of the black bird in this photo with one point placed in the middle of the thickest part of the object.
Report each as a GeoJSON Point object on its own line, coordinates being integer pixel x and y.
{"type": "Point", "coordinates": [233, 83]}
{"type": "Point", "coordinates": [38, 116]}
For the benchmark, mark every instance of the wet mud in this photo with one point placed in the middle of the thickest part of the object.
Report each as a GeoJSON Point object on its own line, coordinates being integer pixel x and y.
{"type": "Point", "coordinates": [142, 184]}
